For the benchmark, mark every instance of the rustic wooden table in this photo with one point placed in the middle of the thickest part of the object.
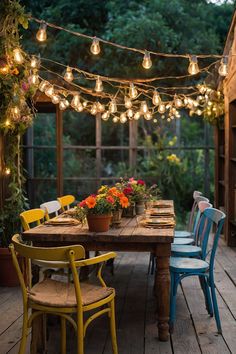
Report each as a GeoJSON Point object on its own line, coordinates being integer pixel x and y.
{"type": "Point", "coordinates": [130, 236]}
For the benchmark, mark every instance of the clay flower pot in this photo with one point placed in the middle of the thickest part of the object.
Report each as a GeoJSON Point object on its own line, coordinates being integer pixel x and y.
{"type": "Point", "coordinates": [98, 223]}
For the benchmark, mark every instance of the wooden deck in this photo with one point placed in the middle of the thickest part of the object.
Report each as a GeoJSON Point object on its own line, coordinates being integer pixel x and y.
{"type": "Point", "coordinates": [195, 331]}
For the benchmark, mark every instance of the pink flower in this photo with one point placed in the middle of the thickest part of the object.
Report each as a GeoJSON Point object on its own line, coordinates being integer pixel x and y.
{"type": "Point", "coordinates": [140, 181]}
{"type": "Point", "coordinates": [132, 180]}
{"type": "Point", "coordinates": [110, 199]}
{"type": "Point", "coordinates": [25, 86]}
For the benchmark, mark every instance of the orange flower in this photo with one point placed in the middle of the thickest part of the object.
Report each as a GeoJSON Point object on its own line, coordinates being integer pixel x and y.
{"type": "Point", "coordinates": [124, 202]}
{"type": "Point", "coordinates": [15, 71]}
{"type": "Point", "coordinates": [90, 202]}
{"type": "Point", "coordinates": [113, 191]}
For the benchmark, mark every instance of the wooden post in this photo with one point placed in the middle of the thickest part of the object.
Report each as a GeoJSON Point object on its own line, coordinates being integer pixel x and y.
{"type": "Point", "coordinates": [59, 139]}
{"type": "Point", "coordinates": [98, 148]}
{"type": "Point", "coordinates": [133, 134]}
{"type": "Point", "coordinates": [2, 189]}
{"type": "Point", "coordinates": [206, 160]}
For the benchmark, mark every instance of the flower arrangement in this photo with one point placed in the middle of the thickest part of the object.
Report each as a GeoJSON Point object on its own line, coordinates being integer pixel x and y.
{"type": "Point", "coordinates": [137, 190]}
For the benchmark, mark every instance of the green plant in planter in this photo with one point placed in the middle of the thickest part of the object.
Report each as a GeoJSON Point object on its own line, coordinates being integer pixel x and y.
{"type": "Point", "coordinates": [17, 89]}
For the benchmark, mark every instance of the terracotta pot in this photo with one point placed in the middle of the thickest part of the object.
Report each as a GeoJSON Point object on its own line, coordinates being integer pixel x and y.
{"type": "Point", "coordinates": [8, 276]}
{"type": "Point", "coordinates": [116, 217]}
{"type": "Point", "coordinates": [130, 211]}
{"type": "Point", "coordinates": [140, 207]}
{"type": "Point", "coordinates": [98, 223]}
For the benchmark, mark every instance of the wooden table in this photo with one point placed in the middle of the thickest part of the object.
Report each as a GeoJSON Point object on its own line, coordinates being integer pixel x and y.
{"type": "Point", "coordinates": [129, 237]}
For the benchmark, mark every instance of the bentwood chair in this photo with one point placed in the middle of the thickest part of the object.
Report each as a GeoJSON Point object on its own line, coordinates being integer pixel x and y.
{"type": "Point", "coordinates": [64, 299]}
{"type": "Point", "coordinates": [182, 267]}
{"type": "Point", "coordinates": [65, 201]}
{"type": "Point", "coordinates": [52, 207]}
{"type": "Point", "coordinates": [31, 216]}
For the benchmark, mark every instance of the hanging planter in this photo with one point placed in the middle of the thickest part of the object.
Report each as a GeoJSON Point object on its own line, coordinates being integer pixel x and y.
{"type": "Point", "coordinates": [98, 223]}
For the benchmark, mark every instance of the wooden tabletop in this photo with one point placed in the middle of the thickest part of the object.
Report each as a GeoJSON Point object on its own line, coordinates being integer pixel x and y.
{"type": "Point", "coordinates": [129, 231]}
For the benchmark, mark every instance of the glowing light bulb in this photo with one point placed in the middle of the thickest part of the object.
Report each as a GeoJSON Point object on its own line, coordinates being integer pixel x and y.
{"type": "Point", "coordinates": [42, 32]}
{"type": "Point", "coordinates": [147, 63]}
{"type": "Point", "coordinates": [148, 116]}
{"type": "Point", "coordinates": [115, 119]}
{"type": "Point", "coordinates": [94, 110]}
{"type": "Point", "coordinates": [43, 84]}
{"type": "Point", "coordinates": [16, 111]}
{"type": "Point", "coordinates": [63, 104]}
{"type": "Point", "coordinates": [105, 115]}
{"type": "Point", "coordinates": [69, 77]}
{"type": "Point", "coordinates": [156, 99]}
{"type": "Point", "coordinates": [162, 108]}
{"type": "Point", "coordinates": [178, 102]}
{"type": "Point", "coordinates": [98, 85]}
{"type": "Point", "coordinates": [123, 118]}
{"type": "Point", "coordinates": [49, 90]}
{"type": "Point", "coordinates": [7, 171]}
{"type": "Point", "coordinates": [130, 113]}
{"type": "Point", "coordinates": [185, 101]}
{"type": "Point", "coordinates": [18, 56]}
{"type": "Point", "coordinates": [199, 112]}
{"type": "Point", "coordinates": [100, 107]}
{"type": "Point", "coordinates": [155, 120]}
{"type": "Point", "coordinates": [55, 99]}
{"type": "Point", "coordinates": [95, 46]}
{"type": "Point", "coordinates": [34, 63]}
{"type": "Point", "coordinates": [34, 78]}
{"type": "Point", "coordinates": [128, 102]}
{"type": "Point", "coordinates": [113, 106]}
{"type": "Point", "coordinates": [79, 107]}
{"type": "Point", "coordinates": [223, 68]}
{"type": "Point", "coordinates": [193, 67]}
{"type": "Point", "coordinates": [85, 103]}
{"type": "Point", "coordinates": [7, 123]}
{"type": "Point", "coordinates": [75, 101]}
{"type": "Point", "coordinates": [133, 92]}
{"type": "Point", "coordinates": [143, 107]}
{"type": "Point", "coordinates": [137, 115]}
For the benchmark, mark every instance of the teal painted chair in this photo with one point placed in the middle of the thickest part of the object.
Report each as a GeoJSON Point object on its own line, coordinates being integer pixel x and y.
{"type": "Point", "coordinates": [182, 267]}
{"type": "Point", "coordinates": [189, 250]}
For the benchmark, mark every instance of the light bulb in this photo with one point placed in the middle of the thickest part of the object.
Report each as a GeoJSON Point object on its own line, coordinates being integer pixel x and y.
{"type": "Point", "coordinates": [69, 77]}
{"type": "Point", "coordinates": [75, 101]}
{"type": "Point", "coordinates": [34, 79]}
{"type": "Point", "coordinates": [156, 99]}
{"type": "Point", "coordinates": [178, 102]}
{"type": "Point", "coordinates": [100, 107]}
{"type": "Point", "coordinates": [185, 101]}
{"type": "Point", "coordinates": [94, 110]}
{"type": "Point", "coordinates": [128, 102]}
{"type": "Point", "coordinates": [148, 115]}
{"type": "Point", "coordinates": [193, 68]}
{"type": "Point", "coordinates": [7, 123]}
{"type": "Point", "coordinates": [55, 99]}
{"type": "Point", "coordinates": [143, 107]}
{"type": "Point", "coordinates": [162, 108]}
{"type": "Point", "coordinates": [199, 112]}
{"type": "Point", "coordinates": [115, 119]}
{"type": "Point", "coordinates": [85, 103]}
{"type": "Point", "coordinates": [63, 104]}
{"type": "Point", "coordinates": [130, 113]}
{"type": "Point", "coordinates": [16, 111]}
{"type": "Point", "coordinates": [147, 63]}
{"type": "Point", "coordinates": [123, 118]}
{"type": "Point", "coordinates": [42, 32]}
{"type": "Point", "coordinates": [113, 106]}
{"type": "Point", "coordinates": [98, 85]}
{"type": "Point", "coordinates": [133, 92]}
{"type": "Point", "coordinates": [34, 63]}
{"type": "Point", "coordinates": [7, 171]}
{"type": "Point", "coordinates": [223, 68]}
{"type": "Point", "coordinates": [18, 57]}
{"type": "Point", "coordinates": [137, 115]}
{"type": "Point", "coordinates": [43, 84]}
{"type": "Point", "coordinates": [105, 115]}
{"type": "Point", "coordinates": [49, 91]}
{"type": "Point", "coordinates": [95, 46]}
{"type": "Point", "coordinates": [79, 107]}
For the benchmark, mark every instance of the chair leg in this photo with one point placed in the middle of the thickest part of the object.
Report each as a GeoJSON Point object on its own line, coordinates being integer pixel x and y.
{"type": "Point", "coordinates": [63, 335]}
{"type": "Point", "coordinates": [80, 335]}
{"type": "Point", "coordinates": [113, 327]}
{"type": "Point", "coordinates": [215, 306]}
{"type": "Point", "coordinates": [24, 333]}
{"type": "Point", "coordinates": [207, 295]}
{"type": "Point", "coordinates": [173, 291]}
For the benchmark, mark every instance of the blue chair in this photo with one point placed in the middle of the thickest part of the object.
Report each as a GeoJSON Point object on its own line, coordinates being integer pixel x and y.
{"type": "Point", "coordinates": [182, 267]}
{"type": "Point", "coordinates": [187, 249]}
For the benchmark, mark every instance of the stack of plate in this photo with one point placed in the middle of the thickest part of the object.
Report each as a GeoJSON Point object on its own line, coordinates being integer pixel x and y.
{"type": "Point", "coordinates": [62, 221]}
{"type": "Point", "coordinates": [160, 212]}
{"type": "Point", "coordinates": [162, 204]}
{"type": "Point", "coordinates": [158, 223]}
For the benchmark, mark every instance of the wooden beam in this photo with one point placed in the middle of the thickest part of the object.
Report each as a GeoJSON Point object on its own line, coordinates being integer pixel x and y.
{"type": "Point", "coordinates": [98, 148]}
{"type": "Point", "coordinates": [59, 141]}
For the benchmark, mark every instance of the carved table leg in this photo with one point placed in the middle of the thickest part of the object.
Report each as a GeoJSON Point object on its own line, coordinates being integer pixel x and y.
{"type": "Point", "coordinates": [162, 289]}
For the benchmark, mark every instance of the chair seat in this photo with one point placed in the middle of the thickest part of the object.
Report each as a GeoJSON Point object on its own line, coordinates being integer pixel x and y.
{"type": "Point", "coordinates": [183, 241]}
{"type": "Point", "coordinates": [51, 292]}
{"type": "Point", "coordinates": [185, 250]}
{"type": "Point", "coordinates": [187, 265]}
{"type": "Point", "coordinates": [183, 233]}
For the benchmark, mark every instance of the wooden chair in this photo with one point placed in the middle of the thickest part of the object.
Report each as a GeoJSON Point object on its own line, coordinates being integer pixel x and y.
{"type": "Point", "coordinates": [31, 216]}
{"type": "Point", "coordinates": [64, 299]}
{"type": "Point", "coordinates": [182, 267]}
{"type": "Point", "coordinates": [65, 201]}
{"type": "Point", "coordinates": [51, 207]}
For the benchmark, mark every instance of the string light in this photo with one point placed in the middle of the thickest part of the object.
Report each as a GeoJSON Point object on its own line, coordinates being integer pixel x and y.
{"type": "Point", "coordinates": [16, 111]}
{"type": "Point", "coordinates": [34, 78]}
{"type": "Point", "coordinates": [143, 107]}
{"type": "Point", "coordinates": [156, 99]}
{"type": "Point", "coordinates": [63, 104]}
{"type": "Point", "coordinates": [18, 56]}
{"type": "Point", "coordinates": [133, 92]}
{"type": "Point", "coordinates": [98, 85]}
{"type": "Point", "coordinates": [178, 102]}
{"type": "Point", "coordinates": [49, 90]}
{"type": "Point", "coordinates": [123, 118]}
{"type": "Point", "coordinates": [55, 99]}
{"type": "Point", "coordinates": [34, 63]}
{"type": "Point", "coordinates": [75, 101]}
{"type": "Point", "coordinates": [105, 115]}
{"type": "Point", "coordinates": [193, 67]}
{"type": "Point", "coordinates": [223, 68]}
{"type": "Point", "coordinates": [130, 113]}
{"type": "Point", "coordinates": [7, 123]}
{"type": "Point", "coordinates": [113, 106]}
{"type": "Point", "coordinates": [161, 108]}
{"type": "Point", "coordinates": [43, 84]}
{"type": "Point", "coordinates": [95, 46]}
{"type": "Point", "coordinates": [147, 63]}
{"type": "Point", "coordinates": [7, 171]}
{"type": "Point", "coordinates": [100, 107]}
{"type": "Point", "coordinates": [128, 102]}
{"type": "Point", "coordinates": [42, 32]}
{"type": "Point", "coordinates": [115, 119]}
{"type": "Point", "coordinates": [137, 115]}
{"type": "Point", "coordinates": [94, 109]}
{"type": "Point", "coordinates": [69, 77]}
{"type": "Point", "coordinates": [148, 116]}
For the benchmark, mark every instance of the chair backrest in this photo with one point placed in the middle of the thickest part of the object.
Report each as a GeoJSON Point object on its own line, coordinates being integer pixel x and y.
{"type": "Point", "coordinates": [55, 254]}
{"type": "Point", "coordinates": [65, 201]}
{"type": "Point", "coordinates": [193, 209]}
{"type": "Point", "coordinates": [196, 194]}
{"type": "Point", "coordinates": [51, 207]}
{"type": "Point", "coordinates": [192, 220]}
{"type": "Point", "coordinates": [198, 227]}
{"type": "Point", "coordinates": [30, 216]}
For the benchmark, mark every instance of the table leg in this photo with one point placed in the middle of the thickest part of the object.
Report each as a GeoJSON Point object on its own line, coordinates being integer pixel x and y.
{"type": "Point", "coordinates": [162, 289]}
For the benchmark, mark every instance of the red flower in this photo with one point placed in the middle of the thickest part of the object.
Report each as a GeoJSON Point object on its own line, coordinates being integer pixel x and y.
{"type": "Point", "coordinates": [110, 199]}
{"type": "Point", "coordinates": [140, 181]}
{"type": "Point", "coordinates": [128, 190]}
{"type": "Point", "coordinates": [82, 204]}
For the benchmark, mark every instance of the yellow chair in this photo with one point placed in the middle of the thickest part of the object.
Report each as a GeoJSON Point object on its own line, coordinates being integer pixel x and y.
{"type": "Point", "coordinates": [61, 298]}
{"type": "Point", "coordinates": [29, 216]}
{"type": "Point", "coordinates": [65, 201]}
